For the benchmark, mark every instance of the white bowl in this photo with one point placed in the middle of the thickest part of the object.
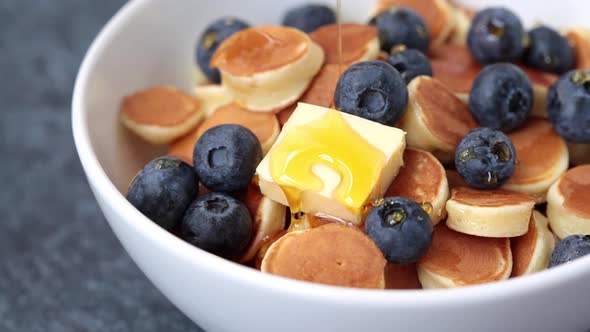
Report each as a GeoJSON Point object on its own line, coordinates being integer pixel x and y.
{"type": "Point", "coordinates": [151, 42]}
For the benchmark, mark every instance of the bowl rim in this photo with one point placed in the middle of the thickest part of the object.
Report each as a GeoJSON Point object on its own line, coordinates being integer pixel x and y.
{"type": "Point", "coordinates": [247, 276]}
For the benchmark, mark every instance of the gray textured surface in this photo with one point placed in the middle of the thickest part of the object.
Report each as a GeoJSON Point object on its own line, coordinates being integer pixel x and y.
{"type": "Point", "coordinates": [61, 268]}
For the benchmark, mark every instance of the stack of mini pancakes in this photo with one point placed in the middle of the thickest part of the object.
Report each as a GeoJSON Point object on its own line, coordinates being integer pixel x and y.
{"type": "Point", "coordinates": [480, 236]}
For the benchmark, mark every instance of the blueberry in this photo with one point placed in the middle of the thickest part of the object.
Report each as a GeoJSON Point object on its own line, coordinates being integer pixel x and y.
{"type": "Point", "coordinates": [485, 158]}
{"type": "Point", "coordinates": [568, 105]}
{"type": "Point", "coordinates": [402, 26]}
{"type": "Point", "coordinates": [496, 34]}
{"type": "Point", "coordinates": [214, 35]}
{"type": "Point", "coordinates": [163, 190]}
{"type": "Point", "coordinates": [308, 18]}
{"type": "Point", "coordinates": [219, 224]}
{"type": "Point", "coordinates": [570, 248]}
{"type": "Point", "coordinates": [549, 51]}
{"type": "Point", "coordinates": [401, 229]}
{"type": "Point", "coordinates": [373, 90]}
{"type": "Point", "coordinates": [410, 63]}
{"type": "Point", "coordinates": [226, 157]}
{"type": "Point", "coordinates": [501, 97]}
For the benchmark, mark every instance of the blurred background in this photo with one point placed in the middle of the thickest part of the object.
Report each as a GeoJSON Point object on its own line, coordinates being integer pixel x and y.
{"type": "Point", "coordinates": [61, 267]}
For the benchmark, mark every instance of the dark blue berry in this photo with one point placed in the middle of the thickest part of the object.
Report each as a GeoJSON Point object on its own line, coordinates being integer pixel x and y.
{"type": "Point", "coordinates": [485, 158]}
{"type": "Point", "coordinates": [549, 51]}
{"type": "Point", "coordinates": [568, 105]}
{"type": "Point", "coordinates": [410, 63]}
{"type": "Point", "coordinates": [226, 157]}
{"type": "Point", "coordinates": [402, 26]}
{"type": "Point", "coordinates": [401, 229]}
{"type": "Point", "coordinates": [163, 190]}
{"type": "Point", "coordinates": [308, 18]}
{"type": "Point", "coordinates": [219, 224]}
{"type": "Point", "coordinates": [570, 248]}
{"type": "Point", "coordinates": [214, 35]}
{"type": "Point", "coordinates": [496, 35]}
{"type": "Point", "coordinates": [373, 90]}
{"type": "Point", "coordinates": [501, 97]}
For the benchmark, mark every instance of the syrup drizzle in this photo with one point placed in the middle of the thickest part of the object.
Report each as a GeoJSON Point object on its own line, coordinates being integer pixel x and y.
{"type": "Point", "coordinates": [339, 36]}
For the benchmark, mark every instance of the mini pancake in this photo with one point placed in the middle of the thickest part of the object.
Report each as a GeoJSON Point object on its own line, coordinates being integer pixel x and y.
{"type": "Point", "coordinates": [422, 179]}
{"type": "Point", "coordinates": [579, 38]}
{"type": "Point", "coordinates": [541, 83]}
{"type": "Point", "coordinates": [267, 68]}
{"type": "Point", "coordinates": [531, 251]}
{"type": "Point", "coordinates": [579, 153]}
{"type": "Point", "coordinates": [359, 42]}
{"type": "Point", "coordinates": [456, 259]}
{"type": "Point", "coordinates": [264, 125]}
{"type": "Point", "coordinates": [266, 243]}
{"type": "Point", "coordinates": [211, 97]}
{"type": "Point", "coordinates": [401, 277]}
{"type": "Point", "coordinates": [489, 213]}
{"type": "Point", "coordinates": [542, 157]}
{"type": "Point", "coordinates": [332, 254]}
{"type": "Point", "coordinates": [463, 18]}
{"type": "Point", "coordinates": [454, 66]}
{"type": "Point", "coordinates": [268, 218]}
{"type": "Point", "coordinates": [160, 114]}
{"type": "Point", "coordinates": [320, 91]}
{"type": "Point", "coordinates": [438, 15]}
{"type": "Point", "coordinates": [435, 119]}
{"type": "Point", "coordinates": [568, 203]}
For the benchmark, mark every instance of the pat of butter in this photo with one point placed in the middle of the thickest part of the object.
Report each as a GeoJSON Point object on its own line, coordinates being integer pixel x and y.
{"type": "Point", "coordinates": [386, 142]}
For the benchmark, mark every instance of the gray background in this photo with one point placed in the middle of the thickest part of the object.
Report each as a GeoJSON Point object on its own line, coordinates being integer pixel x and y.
{"type": "Point", "coordinates": [61, 268]}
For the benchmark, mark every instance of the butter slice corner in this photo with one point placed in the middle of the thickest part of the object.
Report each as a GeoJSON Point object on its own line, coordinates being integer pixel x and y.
{"type": "Point", "coordinates": [389, 140]}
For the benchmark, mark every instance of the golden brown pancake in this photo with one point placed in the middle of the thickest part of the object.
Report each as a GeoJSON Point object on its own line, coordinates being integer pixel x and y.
{"type": "Point", "coordinates": [490, 198]}
{"type": "Point", "coordinates": [259, 49]}
{"type": "Point", "coordinates": [332, 254]}
{"type": "Point", "coordinates": [463, 18]}
{"type": "Point", "coordinates": [159, 106]}
{"type": "Point", "coordinates": [536, 171]}
{"type": "Point", "coordinates": [268, 219]}
{"type": "Point", "coordinates": [401, 277]}
{"type": "Point", "coordinates": [359, 42]}
{"type": "Point", "coordinates": [438, 15]}
{"type": "Point", "coordinates": [448, 118]}
{"type": "Point", "coordinates": [267, 68]}
{"type": "Point", "coordinates": [266, 243]}
{"type": "Point", "coordinates": [489, 213]}
{"type": "Point", "coordinates": [320, 92]}
{"type": "Point", "coordinates": [454, 66]}
{"type": "Point", "coordinates": [422, 179]}
{"type": "Point", "coordinates": [160, 114]}
{"type": "Point", "coordinates": [211, 97]}
{"type": "Point", "coordinates": [264, 125]}
{"type": "Point", "coordinates": [531, 251]}
{"type": "Point", "coordinates": [568, 206]}
{"type": "Point", "coordinates": [455, 259]}
{"type": "Point", "coordinates": [580, 41]}
{"type": "Point", "coordinates": [575, 188]}
{"type": "Point", "coordinates": [435, 119]}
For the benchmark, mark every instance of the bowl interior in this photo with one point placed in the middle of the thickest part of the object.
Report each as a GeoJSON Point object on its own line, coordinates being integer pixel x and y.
{"type": "Point", "coordinates": [152, 43]}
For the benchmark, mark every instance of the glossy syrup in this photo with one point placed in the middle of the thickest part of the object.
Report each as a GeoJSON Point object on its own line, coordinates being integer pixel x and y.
{"type": "Point", "coordinates": [339, 36]}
